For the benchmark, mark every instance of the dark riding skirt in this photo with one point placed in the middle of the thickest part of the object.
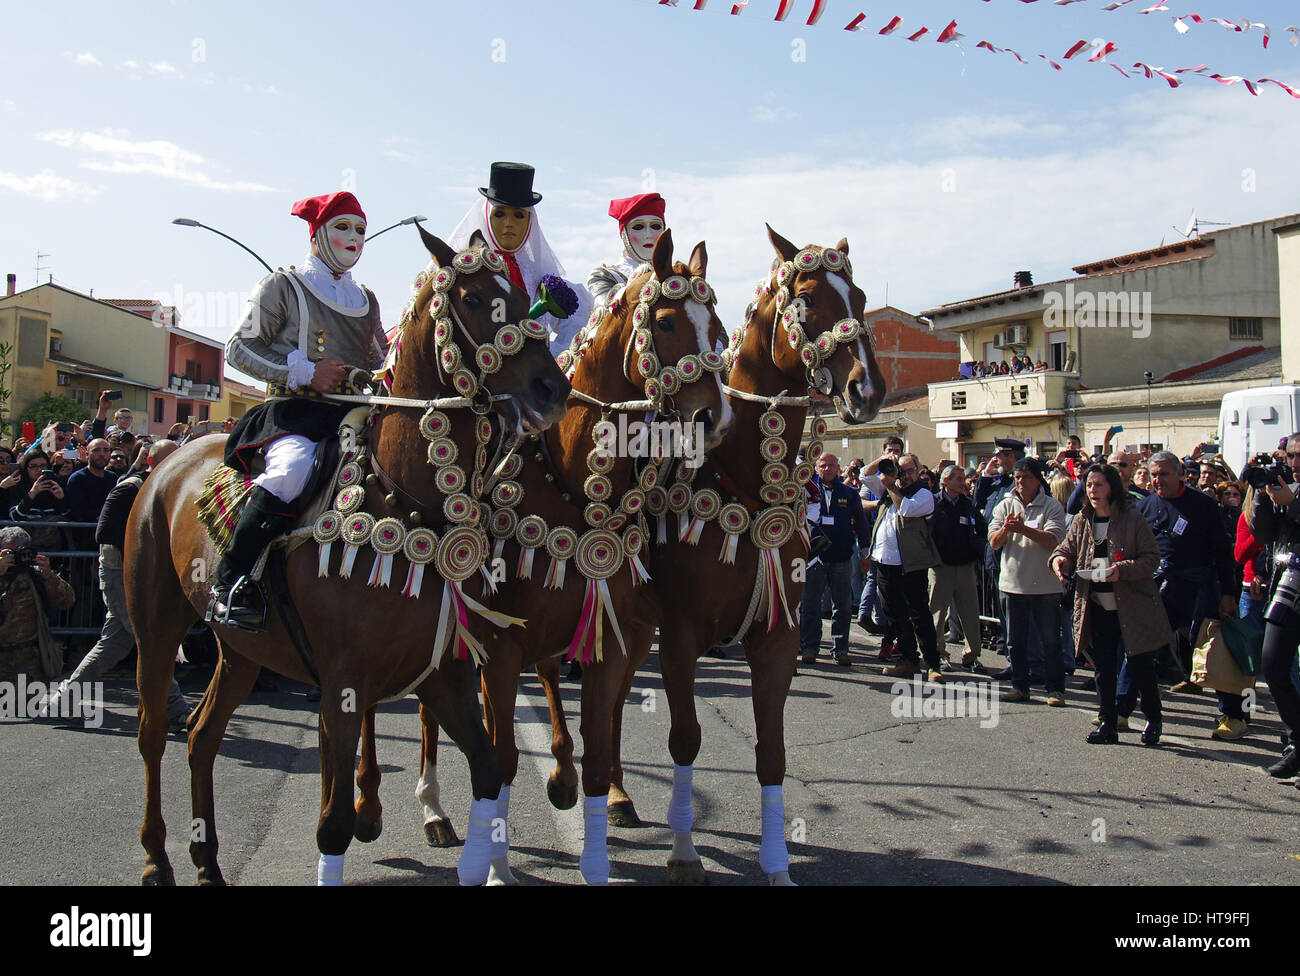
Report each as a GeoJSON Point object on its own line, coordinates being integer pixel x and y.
{"type": "Point", "coordinates": [310, 417]}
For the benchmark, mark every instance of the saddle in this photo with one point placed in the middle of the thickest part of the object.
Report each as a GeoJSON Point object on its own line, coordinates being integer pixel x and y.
{"type": "Point", "coordinates": [226, 491]}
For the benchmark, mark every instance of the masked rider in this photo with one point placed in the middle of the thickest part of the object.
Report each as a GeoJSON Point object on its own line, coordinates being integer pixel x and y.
{"type": "Point", "coordinates": [640, 223]}
{"type": "Point", "coordinates": [507, 219]}
{"type": "Point", "coordinates": [306, 330]}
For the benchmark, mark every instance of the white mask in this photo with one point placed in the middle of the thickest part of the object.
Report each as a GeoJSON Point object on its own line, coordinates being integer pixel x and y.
{"type": "Point", "coordinates": [340, 241]}
{"type": "Point", "coordinates": [639, 237]}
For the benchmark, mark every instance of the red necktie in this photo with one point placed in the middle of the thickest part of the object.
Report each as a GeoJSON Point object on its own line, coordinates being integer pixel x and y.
{"type": "Point", "coordinates": [513, 267]}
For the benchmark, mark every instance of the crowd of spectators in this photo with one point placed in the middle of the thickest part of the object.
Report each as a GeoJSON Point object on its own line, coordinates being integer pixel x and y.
{"type": "Point", "coordinates": [1108, 561]}
{"type": "Point", "coordinates": [978, 370]}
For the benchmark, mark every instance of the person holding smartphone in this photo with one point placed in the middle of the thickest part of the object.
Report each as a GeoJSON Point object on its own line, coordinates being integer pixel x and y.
{"type": "Point", "coordinates": [41, 497]}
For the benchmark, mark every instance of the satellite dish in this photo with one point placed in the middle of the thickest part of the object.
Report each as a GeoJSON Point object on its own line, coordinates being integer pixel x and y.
{"type": "Point", "coordinates": [1192, 229]}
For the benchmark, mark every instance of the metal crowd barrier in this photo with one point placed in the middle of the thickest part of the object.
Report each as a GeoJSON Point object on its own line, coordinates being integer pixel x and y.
{"type": "Point", "coordinates": [76, 559]}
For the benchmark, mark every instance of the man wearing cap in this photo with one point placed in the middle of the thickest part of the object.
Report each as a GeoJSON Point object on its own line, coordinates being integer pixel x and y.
{"type": "Point", "coordinates": [307, 329]}
{"type": "Point", "coordinates": [507, 219]}
{"type": "Point", "coordinates": [26, 589]}
{"type": "Point", "coordinates": [640, 224]}
{"type": "Point", "coordinates": [1027, 525]}
{"type": "Point", "coordinates": [995, 483]}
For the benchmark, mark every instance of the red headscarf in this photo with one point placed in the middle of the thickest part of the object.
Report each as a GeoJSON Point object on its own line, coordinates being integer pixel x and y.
{"type": "Point", "coordinates": [317, 210]}
{"type": "Point", "coordinates": [642, 205]}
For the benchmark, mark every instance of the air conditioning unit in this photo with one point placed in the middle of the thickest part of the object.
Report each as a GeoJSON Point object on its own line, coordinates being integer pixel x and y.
{"type": "Point", "coordinates": [64, 379]}
{"type": "Point", "coordinates": [1017, 335]}
{"type": "Point", "coordinates": [1000, 340]}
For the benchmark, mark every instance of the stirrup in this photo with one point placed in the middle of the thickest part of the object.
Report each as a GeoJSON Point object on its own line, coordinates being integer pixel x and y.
{"type": "Point", "coordinates": [227, 609]}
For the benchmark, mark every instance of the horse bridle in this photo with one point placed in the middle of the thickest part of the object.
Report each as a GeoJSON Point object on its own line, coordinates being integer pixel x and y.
{"type": "Point", "coordinates": [789, 315]}
{"type": "Point", "coordinates": [660, 383]}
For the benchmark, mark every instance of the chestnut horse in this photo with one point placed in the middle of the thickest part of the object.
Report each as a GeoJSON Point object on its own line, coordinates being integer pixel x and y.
{"type": "Point", "coordinates": [685, 330]}
{"type": "Point", "coordinates": [362, 645]}
{"type": "Point", "coordinates": [741, 604]}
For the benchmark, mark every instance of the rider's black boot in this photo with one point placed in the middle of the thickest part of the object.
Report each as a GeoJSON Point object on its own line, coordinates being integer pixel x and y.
{"type": "Point", "coordinates": [237, 600]}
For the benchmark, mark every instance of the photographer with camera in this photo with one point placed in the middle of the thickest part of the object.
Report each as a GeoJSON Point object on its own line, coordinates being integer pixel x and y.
{"type": "Point", "coordinates": [837, 518]}
{"type": "Point", "coordinates": [902, 553]}
{"type": "Point", "coordinates": [27, 586]}
{"type": "Point", "coordinates": [1277, 523]}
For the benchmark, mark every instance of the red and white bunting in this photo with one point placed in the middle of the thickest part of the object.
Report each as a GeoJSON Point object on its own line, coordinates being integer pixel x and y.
{"type": "Point", "coordinates": [1098, 52]}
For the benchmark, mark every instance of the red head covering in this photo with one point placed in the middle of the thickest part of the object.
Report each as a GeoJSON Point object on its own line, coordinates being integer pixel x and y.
{"type": "Point", "coordinates": [641, 205]}
{"type": "Point", "coordinates": [317, 210]}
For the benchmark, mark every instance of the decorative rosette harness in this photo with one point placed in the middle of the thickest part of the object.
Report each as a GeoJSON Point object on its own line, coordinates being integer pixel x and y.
{"type": "Point", "coordinates": [460, 549]}
{"type": "Point", "coordinates": [782, 489]}
{"type": "Point", "coordinates": [616, 527]}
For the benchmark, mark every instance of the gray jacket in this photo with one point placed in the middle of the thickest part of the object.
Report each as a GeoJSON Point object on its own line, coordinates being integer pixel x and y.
{"type": "Point", "coordinates": [284, 314]}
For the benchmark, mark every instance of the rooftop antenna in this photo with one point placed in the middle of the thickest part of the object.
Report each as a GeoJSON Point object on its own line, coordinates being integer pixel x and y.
{"type": "Point", "coordinates": [1193, 228]}
{"type": "Point", "coordinates": [39, 267]}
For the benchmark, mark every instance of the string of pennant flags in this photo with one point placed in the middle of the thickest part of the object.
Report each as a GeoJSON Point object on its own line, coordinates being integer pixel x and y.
{"type": "Point", "coordinates": [1095, 52]}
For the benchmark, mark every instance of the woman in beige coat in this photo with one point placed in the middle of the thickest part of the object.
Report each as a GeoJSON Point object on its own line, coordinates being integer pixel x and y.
{"type": "Point", "coordinates": [1112, 554]}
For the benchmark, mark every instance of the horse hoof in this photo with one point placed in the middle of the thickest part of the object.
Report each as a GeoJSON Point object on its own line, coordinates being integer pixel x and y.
{"type": "Point", "coordinates": [562, 797]}
{"type": "Point", "coordinates": [781, 880]}
{"type": "Point", "coordinates": [155, 877]}
{"type": "Point", "coordinates": [367, 832]}
{"type": "Point", "coordinates": [687, 873]}
{"type": "Point", "coordinates": [439, 833]}
{"type": "Point", "coordinates": [211, 879]}
{"type": "Point", "coordinates": [623, 814]}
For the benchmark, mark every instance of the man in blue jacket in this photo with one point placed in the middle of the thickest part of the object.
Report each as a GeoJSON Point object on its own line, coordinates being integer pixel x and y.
{"type": "Point", "coordinates": [836, 513]}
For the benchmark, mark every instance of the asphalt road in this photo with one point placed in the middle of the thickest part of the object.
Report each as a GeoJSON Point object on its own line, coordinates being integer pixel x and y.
{"type": "Point", "coordinates": [872, 796]}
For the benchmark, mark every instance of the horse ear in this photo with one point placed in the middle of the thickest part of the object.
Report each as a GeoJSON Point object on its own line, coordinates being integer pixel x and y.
{"type": "Point", "coordinates": [843, 246]}
{"type": "Point", "coordinates": [784, 248]}
{"type": "Point", "coordinates": [699, 260]}
{"type": "Point", "coordinates": [477, 239]}
{"type": "Point", "coordinates": [440, 252]}
{"type": "Point", "coordinates": [662, 259]}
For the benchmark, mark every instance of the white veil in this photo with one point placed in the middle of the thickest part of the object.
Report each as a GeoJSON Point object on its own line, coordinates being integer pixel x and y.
{"type": "Point", "coordinates": [535, 258]}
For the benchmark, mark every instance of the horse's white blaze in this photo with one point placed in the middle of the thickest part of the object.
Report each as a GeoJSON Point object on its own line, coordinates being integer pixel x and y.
{"type": "Point", "coordinates": [503, 281]}
{"type": "Point", "coordinates": [841, 286]}
{"type": "Point", "coordinates": [699, 316]}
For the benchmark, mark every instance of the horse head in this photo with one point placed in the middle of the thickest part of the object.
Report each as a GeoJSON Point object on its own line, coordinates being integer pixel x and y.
{"type": "Point", "coordinates": [468, 328]}
{"type": "Point", "coordinates": [818, 335]}
{"type": "Point", "coordinates": [665, 315]}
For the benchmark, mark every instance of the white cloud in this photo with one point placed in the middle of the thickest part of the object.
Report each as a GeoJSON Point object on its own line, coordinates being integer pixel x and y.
{"type": "Point", "coordinates": [398, 156]}
{"type": "Point", "coordinates": [86, 59]}
{"type": "Point", "coordinates": [770, 111]}
{"type": "Point", "coordinates": [48, 186]}
{"type": "Point", "coordinates": [110, 152]}
{"type": "Point", "coordinates": [950, 208]}
{"type": "Point", "coordinates": [162, 68]}
{"type": "Point", "coordinates": [132, 65]}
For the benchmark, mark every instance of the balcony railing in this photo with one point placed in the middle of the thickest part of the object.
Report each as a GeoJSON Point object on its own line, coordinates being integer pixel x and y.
{"type": "Point", "coordinates": [995, 397]}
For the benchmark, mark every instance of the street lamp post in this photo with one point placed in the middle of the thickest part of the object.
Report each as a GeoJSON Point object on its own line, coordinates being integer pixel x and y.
{"type": "Point", "coordinates": [189, 222]}
{"type": "Point", "coordinates": [1149, 378]}
{"type": "Point", "coordinates": [400, 223]}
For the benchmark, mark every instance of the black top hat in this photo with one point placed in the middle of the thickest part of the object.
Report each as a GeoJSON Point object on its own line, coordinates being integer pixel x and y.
{"type": "Point", "coordinates": [1010, 444]}
{"type": "Point", "coordinates": [511, 184]}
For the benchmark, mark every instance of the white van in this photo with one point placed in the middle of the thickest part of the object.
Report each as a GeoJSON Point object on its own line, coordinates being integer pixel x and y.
{"type": "Point", "coordinates": [1251, 421]}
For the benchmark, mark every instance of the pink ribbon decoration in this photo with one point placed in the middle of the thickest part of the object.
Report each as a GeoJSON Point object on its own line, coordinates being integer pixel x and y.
{"type": "Point", "coordinates": [949, 34]}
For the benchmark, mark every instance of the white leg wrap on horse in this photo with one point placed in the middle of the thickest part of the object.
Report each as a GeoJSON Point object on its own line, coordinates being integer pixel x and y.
{"type": "Point", "coordinates": [426, 791]}
{"type": "Point", "coordinates": [594, 862]}
{"type": "Point", "coordinates": [500, 837]}
{"type": "Point", "coordinates": [681, 814]}
{"type": "Point", "coordinates": [683, 848]}
{"type": "Point", "coordinates": [475, 858]}
{"type": "Point", "coordinates": [772, 854]}
{"type": "Point", "coordinates": [329, 871]}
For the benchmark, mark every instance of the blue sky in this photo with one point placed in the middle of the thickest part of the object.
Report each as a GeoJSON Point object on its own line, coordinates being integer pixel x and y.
{"type": "Point", "coordinates": [948, 168]}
